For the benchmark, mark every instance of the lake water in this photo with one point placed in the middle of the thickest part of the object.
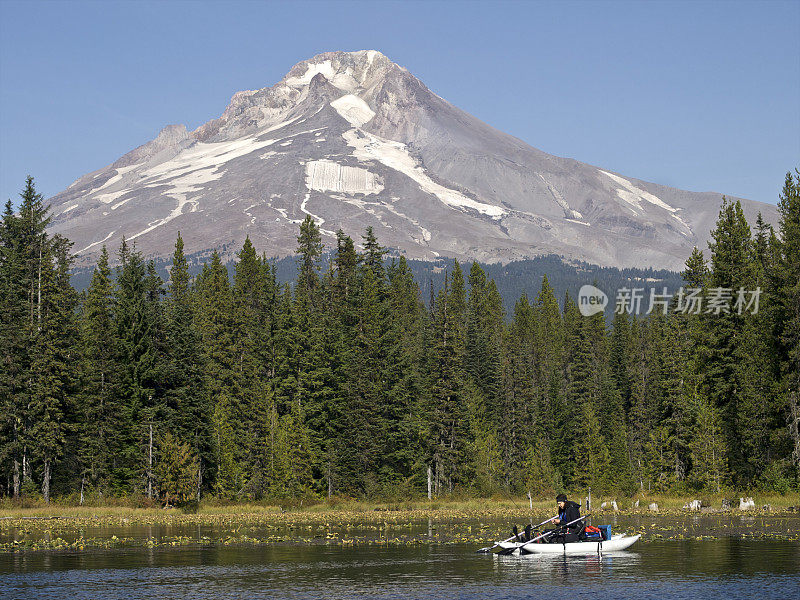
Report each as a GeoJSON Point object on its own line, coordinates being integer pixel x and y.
{"type": "Point", "coordinates": [723, 568]}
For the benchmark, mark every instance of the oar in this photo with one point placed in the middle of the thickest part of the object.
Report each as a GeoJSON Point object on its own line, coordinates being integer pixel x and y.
{"type": "Point", "coordinates": [496, 544]}
{"type": "Point", "coordinates": [507, 551]}
{"type": "Point", "coordinates": [551, 532]}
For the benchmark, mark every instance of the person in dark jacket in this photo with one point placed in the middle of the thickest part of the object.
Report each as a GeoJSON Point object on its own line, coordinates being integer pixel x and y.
{"type": "Point", "coordinates": [568, 511]}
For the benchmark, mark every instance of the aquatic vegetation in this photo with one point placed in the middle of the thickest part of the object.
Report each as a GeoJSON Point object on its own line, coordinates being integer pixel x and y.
{"type": "Point", "coordinates": [84, 529]}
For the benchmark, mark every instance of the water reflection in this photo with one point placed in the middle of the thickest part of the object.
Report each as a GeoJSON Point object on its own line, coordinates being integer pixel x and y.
{"type": "Point", "coordinates": [563, 569]}
{"type": "Point", "coordinates": [725, 569]}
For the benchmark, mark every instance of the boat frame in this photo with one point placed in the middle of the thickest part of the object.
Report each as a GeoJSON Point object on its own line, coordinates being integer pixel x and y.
{"type": "Point", "coordinates": [615, 544]}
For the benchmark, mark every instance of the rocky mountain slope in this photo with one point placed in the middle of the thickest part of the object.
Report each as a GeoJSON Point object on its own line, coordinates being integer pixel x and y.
{"type": "Point", "coordinates": [353, 139]}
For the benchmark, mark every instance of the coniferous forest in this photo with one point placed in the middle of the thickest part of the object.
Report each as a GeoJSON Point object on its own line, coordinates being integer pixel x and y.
{"type": "Point", "coordinates": [347, 384]}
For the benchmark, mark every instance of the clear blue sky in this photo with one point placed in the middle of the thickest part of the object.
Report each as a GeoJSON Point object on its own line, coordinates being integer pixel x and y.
{"type": "Point", "coordinates": [703, 96]}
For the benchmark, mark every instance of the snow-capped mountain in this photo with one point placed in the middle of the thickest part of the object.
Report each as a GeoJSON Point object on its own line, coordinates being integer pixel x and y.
{"type": "Point", "coordinates": [353, 139]}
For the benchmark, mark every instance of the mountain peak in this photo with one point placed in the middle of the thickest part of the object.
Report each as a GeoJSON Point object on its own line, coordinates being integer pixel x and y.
{"type": "Point", "coordinates": [354, 140]}
{"type": "Point", "coordinates": [348, 71]}
{"type": "Point", "coordinates": [363, 73]}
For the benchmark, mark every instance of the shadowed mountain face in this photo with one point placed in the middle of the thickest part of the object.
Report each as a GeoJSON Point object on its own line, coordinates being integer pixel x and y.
{"type": "Point", "coordinates": [353, 140]}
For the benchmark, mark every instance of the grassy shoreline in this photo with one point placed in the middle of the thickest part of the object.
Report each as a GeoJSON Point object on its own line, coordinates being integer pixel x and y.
{"type": "Point", "coordinates": [468, 508]}
{"type": "Point", "coordinates": [476, 522]}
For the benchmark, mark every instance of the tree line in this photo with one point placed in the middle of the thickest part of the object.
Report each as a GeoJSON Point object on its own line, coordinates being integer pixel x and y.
{"type": "Point", "coordinates": [346, 383]}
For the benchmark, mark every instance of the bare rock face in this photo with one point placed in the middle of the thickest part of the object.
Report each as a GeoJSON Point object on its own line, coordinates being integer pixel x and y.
{"type": "Point", "coordinates": [352, 139]}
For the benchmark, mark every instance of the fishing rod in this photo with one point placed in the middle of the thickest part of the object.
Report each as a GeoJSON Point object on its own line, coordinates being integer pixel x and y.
{"type": "Point", "coordinates": [488, 548]}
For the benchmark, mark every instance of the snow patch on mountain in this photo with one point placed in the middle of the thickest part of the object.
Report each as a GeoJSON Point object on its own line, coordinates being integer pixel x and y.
{"type": "Point", "coordinates": [191, 168]}
{"type": "Point", "coordinates": [343, 80]}
{"type": "Point", "coordinates": [395, 156]}
{"type": "Point", "coordinates": [118, 204]}
{"type": "Point", "coordinates": [354, 109]}
{"type": "Point", "coordinates": [326, 175]}
{"type": "Point", "coordinates": [426, 235]}
{"type": "Point", "coordinates": [634, 195]}
{"type": "Point", "coordinates": [211, 155]}
{"type": "Point", "coordinates": [174, 213]}
{"type": "Point", "coordinates": [115, 179]}
{"type": "Point", "coordinates": [578, 222]}
{"type": "Point", "coordinates": [319, 221]}
{"type": "Point", "coordinates": [569, 213]}
{"type": "Point", "coordinates": [98, 242]}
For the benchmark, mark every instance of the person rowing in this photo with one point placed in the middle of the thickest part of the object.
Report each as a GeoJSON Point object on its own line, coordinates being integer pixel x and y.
{"type": "Point", "coordinates": [568, 521]}
{"type": "Point", "coordinates": [525, 547]}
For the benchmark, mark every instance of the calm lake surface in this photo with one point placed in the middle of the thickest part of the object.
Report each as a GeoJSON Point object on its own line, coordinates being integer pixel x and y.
{"type": "Point", "coordinates": [723, 568]}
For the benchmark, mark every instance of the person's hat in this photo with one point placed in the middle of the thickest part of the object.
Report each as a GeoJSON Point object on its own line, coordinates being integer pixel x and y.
{"type": "Point", "coordinates": [561, 498]}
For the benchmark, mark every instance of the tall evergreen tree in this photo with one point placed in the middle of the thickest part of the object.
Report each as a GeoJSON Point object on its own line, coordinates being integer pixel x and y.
{"type": "Point", "coordinates": [216, 327]}
{"type": "Point", "coordinates": [100, 415]}
{"type": "Point", "coordinates": [185, 395]}
{"type": "Point", "coordinates": [731, 269]}
{"type": "Point", "coordinates": [55, 351]}
{"type": "Point", "coordinates": [13, 350]}
{"type": "Point", "coordinates": [138, 360]}
{"type": "Point", "coordinates": [446, 413]}
{"type": "Point", "coordinates": [785, 285]}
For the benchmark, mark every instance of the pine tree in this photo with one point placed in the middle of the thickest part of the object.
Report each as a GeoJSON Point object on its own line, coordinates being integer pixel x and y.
{"type": "Point", "coordinates": [484, 333]}
{"type": "Point", "coordinates": [250, 347]}
{"type": "Point", "coordinates": [580, 402]}
{"type": "Point", "coordinates": [590, 451]}
{"type": "Point", "coordinates": [295, 454]}
{"type": "Point", "coordinates": [404, 369]}
{"type": "Point", "coordinates": [33, 254]}
{"type": "Point", "coordinates": [446, 411]}
{"type": "Point", "coordinates": [338, 457]}
{"type": "Point", "coordinates": [367, 381]}
{"type": "Point", "coordinates": [538, 474]}
{"type": "Point", "coordinates": [731, 269]}
{"type": "Point", "coordinates": [176, 470]}
{"type": "Point", "coordinates": [548, 358]}
{"type": "Point", "coordinates": [55, 346]}
{"type": "Point", "coordinates": [13, 349]}
{"type": "Point", "coordinates": [100, 414]}
{"type": "Point", "coordinates": [785, 315]}
{"type": "Point", "coordinates": [520, 423]}
{"type": "Point", "coordinates": [616, 474]}
{"type": "Point", "coordinates": [708, 449]}
{"type": "Point", "coordinates": [305, 334]}
{"type": "Point", "coordinates": [373, 253]}
{"type": "Point", "coordinates": [216, 327]}
{"type": "Point", "coordinates": [185, 395]}
{"type": "Point", "coordinates": [136, 355]}
{"type": "Point", "coordinates": [309, 250]}
{"type": "Point", "coordinates": [761, 243]}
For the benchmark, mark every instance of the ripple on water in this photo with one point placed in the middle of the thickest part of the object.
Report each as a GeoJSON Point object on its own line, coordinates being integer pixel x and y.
{"type": "Point", "coordinates": [725, 568]}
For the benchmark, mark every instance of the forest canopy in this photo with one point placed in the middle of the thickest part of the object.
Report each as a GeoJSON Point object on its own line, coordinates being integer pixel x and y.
{"type": "Point", "coordinates": [347, 383]}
